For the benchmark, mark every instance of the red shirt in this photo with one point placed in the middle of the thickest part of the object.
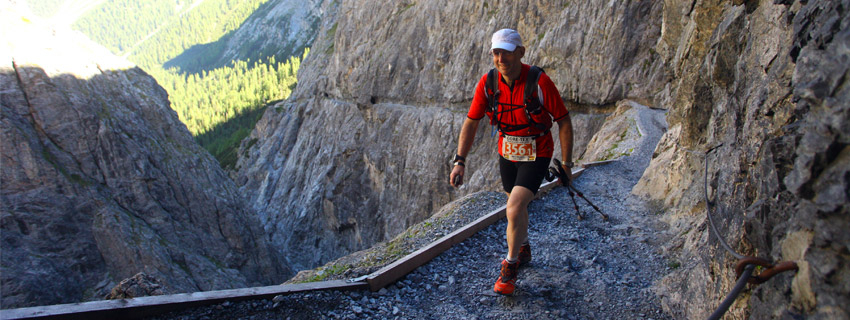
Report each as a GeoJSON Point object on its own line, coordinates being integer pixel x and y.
{"type": "Point", "coordinates": [552, 104]}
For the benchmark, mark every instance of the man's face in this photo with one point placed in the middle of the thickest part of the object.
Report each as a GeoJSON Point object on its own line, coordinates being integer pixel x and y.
{"type": "Point", "coordinates": [507, 62]}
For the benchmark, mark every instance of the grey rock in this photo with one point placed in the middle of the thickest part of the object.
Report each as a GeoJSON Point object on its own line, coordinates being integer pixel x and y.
{"type": "Point", "coordinates": [140, 285]}
{"type": "Point", "coordinates": [284, 28]}
{"type": "Point", "coordinates": [101, 181]}
{"type": "Point", "coordinates": [769, 84]}
{"type": "Point", "coordinates": [344, 190]}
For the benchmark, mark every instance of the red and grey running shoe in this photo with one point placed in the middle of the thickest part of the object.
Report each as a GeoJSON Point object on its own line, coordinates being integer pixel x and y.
{"type": "Point", "coordinates": [507, 278]}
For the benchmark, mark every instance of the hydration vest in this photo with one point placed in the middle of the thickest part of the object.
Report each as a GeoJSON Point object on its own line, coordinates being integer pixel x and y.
{"type": "Point", "coordinates": [535, 117]}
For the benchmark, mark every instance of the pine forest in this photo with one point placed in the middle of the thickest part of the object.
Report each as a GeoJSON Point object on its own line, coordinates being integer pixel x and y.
{"type": "Point", "coordinates": [219, 104]}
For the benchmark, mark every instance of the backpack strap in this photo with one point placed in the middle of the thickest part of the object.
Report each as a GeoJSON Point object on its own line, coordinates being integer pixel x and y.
{"type": "Point", "coordinates": [533, 106]}
{"type": "Point", "coordinates": [491, 89]}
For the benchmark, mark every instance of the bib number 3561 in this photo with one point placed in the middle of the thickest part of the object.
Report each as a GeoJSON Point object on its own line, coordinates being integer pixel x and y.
{"type": "Point", "coordinates": [519, 148]}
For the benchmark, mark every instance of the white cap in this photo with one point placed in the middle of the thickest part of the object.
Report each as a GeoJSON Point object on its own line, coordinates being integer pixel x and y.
{"type": "Point", "coordinates": [507, 39]}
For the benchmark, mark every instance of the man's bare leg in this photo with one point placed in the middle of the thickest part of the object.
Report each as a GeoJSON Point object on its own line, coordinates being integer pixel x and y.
{"type": "Point", "coordinates": [517, 213]}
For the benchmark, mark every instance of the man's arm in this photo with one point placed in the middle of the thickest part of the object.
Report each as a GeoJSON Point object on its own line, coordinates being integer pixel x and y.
{"type": "Point", "coordinates": [565, 135]}
{"type": "Point", "coordinates": [464, 143]}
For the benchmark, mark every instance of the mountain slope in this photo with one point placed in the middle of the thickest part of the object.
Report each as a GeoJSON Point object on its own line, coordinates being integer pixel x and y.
{"type": "Point", "coordinates": [278, 28]}
{"type": "Point", "coordinates": [100, 180]}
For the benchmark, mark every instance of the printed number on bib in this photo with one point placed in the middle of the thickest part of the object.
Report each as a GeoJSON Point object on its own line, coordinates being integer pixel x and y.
{"type": "Point", "coordinates": [519, 148]}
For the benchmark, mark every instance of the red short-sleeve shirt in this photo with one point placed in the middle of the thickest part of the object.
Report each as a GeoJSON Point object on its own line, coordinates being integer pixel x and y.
{"type": "Point", "coordinates": [552, 103]}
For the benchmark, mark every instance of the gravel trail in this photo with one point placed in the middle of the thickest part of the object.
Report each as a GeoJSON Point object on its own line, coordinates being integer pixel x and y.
{"type": "Point", "coordinates": [588, 269]}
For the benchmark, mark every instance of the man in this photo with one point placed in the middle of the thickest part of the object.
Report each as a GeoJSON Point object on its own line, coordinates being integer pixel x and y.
{"type": "Point", "coordinates": [525, 142]}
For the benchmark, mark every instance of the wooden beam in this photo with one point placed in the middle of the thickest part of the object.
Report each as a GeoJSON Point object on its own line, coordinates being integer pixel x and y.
{"type": "Point", "coordinates": [135, 308]}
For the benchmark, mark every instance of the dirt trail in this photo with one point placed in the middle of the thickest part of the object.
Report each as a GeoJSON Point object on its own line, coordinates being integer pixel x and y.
{"type": "Point", "coordinates": [588, 269]}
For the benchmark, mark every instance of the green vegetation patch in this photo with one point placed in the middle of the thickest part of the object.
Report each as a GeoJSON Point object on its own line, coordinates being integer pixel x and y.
{"type": "Point", "coordinates": [44, 8]}
{"type": "Point", "coordinates": [406, 7]}
{"type": "Point", "coordinates": [220, 106]}
{"type": "Point", "coordinates": [332, 31]}
{"type": "Point", "coordinates": [612, 152]}
{"type": "Point", "coordinates": [673, 264]}
{"type": "Point", "coordinates": [328, 271]}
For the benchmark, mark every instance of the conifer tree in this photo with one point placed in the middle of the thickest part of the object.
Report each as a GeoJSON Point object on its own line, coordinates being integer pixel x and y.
{"type": "Point", "coordinates": [219, 106]}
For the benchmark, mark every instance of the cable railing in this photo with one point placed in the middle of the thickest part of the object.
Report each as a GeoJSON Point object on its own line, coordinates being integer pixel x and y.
{"type": "Point", "coordinates": [746, 265]}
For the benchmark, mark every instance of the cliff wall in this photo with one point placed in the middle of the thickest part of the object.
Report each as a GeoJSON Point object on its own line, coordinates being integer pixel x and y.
{"type": "Point", "coordinates": [360, 151]}
{"type": "Point", "coordinates": [100, 180]}
{"type": "Point", "coordinates": [767, 83]}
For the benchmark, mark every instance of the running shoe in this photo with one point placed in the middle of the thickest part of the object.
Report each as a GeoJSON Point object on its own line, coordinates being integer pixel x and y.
{"type": "Point", "coordinates": [507, 278]}
{"type": "Point", "coordinates": [524, 254]}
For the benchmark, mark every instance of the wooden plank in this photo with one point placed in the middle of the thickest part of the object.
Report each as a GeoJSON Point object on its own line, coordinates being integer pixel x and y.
{"type": "Point", "coordinates": [401, 267]}
{"type": "Point", "coordinates": [152, 305]}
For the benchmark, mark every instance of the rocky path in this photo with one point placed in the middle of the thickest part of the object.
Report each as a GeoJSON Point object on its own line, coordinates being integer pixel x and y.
{"type": "Point", "coordinates": [588, 269]}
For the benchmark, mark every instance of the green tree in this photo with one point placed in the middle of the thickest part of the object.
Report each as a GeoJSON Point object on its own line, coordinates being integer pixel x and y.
{"type": "Point", "coordinates": [220, 106]}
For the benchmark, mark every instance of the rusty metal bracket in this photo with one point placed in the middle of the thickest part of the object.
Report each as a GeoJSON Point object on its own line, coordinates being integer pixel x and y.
{"type": "Point", "coordinates": [770, 269]}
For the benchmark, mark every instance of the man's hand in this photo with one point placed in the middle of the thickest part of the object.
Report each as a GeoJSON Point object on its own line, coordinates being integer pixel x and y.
{"type": "Point", "coordinates": [456, 177]}
{"type": "Point", "coordinates": [564, 172]}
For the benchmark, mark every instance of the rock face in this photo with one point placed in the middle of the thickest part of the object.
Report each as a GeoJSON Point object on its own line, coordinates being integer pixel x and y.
{"type": "Point", "coordinates": [767, 82]}
{"type": "Point", "coordinates": [361, 151]}
{"type": "Point", "coordinates": [100, 180]}
{"type": "Point", "coordinates": [279, 28]}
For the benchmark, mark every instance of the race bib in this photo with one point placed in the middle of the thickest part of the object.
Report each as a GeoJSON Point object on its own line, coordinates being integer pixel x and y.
{"type": "Point", "coordinates": [519, 148]}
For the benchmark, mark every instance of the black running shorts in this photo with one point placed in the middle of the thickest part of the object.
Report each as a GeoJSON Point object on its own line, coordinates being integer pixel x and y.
{"type": "Point", "coordinates": [526, 174]}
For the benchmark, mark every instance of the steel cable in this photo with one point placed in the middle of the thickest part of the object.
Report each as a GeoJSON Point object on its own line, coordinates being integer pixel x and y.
{"type": "Point", "coordinates": [746, 265]}
{"type": "Point", "coordinates": [733, 295]}
{"type": "Point", "coordinates": [708, 205]}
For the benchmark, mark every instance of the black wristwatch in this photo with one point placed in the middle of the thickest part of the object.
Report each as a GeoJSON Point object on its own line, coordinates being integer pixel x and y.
{"type": "Point", "coordinates": [458, 160]}
{"type": "Point", "coordinates": [568, 164]}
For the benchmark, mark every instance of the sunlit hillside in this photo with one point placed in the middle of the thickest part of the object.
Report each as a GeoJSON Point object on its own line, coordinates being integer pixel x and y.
{"type": "Point", "coordinates": [219, 104]}
{"type": "Point", "coordinates": [62, 12]}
